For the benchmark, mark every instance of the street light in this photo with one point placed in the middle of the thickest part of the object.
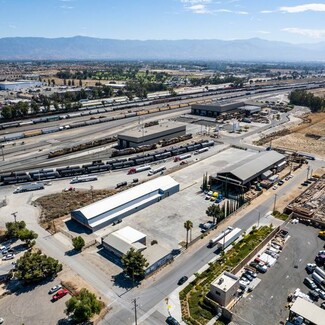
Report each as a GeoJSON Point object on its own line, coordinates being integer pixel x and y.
{"type": "Point", "coordinates": [308, 168]}
{"type": "Point", "coordinates": [258, 218]}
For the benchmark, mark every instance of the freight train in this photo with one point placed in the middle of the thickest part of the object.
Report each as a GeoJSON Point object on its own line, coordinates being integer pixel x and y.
{"type": "Point", "coordinates": [98, 166]}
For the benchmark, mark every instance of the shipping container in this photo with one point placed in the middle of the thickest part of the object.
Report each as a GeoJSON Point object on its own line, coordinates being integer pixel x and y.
{"type": "Point", "coordinates": [32, 133]}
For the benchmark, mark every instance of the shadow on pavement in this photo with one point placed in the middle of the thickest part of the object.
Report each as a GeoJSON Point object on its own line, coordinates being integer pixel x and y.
{"type": "Point", "coordinates": [73, 226]}
{"type": "Point", "coordinates": [17, 287]}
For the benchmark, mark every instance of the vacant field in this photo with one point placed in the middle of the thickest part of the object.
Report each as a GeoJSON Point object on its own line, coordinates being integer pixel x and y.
{"type": "Point", "coordinates": [86, 82]}
{"type": "Point", "coordinates": [306, 137]}
{"type": "Point", "coordinates": [318, 92]}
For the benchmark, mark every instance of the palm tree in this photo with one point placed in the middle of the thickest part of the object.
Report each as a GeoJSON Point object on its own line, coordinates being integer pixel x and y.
{"type": "Point", "coordinates": [215, 212]}
{"type": "Point", "coordinates": [188, 225]}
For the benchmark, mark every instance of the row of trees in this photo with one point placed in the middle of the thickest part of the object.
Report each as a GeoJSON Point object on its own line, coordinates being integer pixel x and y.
{"type": "Point", "coordinates": [217, 80]}
{"type": "Point", "coordinates": [304, 98]}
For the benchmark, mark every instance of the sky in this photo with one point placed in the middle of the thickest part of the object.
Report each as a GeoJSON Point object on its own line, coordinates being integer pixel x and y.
{"type": "Point", "coordinates": [294, 21]}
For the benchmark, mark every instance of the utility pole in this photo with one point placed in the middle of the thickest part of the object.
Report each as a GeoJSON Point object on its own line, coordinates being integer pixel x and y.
{"type": "Point", "coordinates": [14, 214]}
{"type": "Point", "coordinates": [135, 311]}
{"type": "Point", "coordinates": [275, 195]}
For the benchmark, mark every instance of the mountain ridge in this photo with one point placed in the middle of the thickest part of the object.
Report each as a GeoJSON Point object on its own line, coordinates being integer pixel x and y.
{"type": "Point", "coordinates": [90, 48]}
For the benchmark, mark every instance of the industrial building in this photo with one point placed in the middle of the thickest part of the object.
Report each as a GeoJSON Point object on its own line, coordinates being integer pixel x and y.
{"type": "Point", "coordinates": [214, 109]}
{"type": "Point", "coordinates": [149, 135]}
{"type": "Point", "coordinates": [116, 207]}
{"type": "Point", "coordinates": [306, 313]}
{"type": "Point", "coordinates": [243, 173]}
{"type": "Point", "coordinates": [121, 241]}
{"type": "Point", "coordinates": [224, 288]}
{"type": "Point", "coordinates": [19, 84]}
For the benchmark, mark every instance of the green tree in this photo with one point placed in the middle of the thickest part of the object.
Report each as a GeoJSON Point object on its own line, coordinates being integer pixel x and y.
{"type": "Point", "coordinates": [35, 267]}
{"type": "Point", "coordinates": [83, 306]}
{"type": "Point", "coordinates": [13, 228]}
{"type": "Point", "coordinates": [27, 236]}
{"type": "Point", "coordinates": [35, 107]}
{"type": "Point", "coordinates": [78, 243]}
{"type": "Point", "coordinates": [188, 225]}
{"type": "Point", "coordinates": [134, 264]}
{"type": "Point", "coordinates": [215, 212]}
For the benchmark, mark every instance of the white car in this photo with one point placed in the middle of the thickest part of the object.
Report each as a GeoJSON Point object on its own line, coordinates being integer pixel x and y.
{"type": "Point", "coordinates": [321, 293]}
{"type": "Point", "coordinates": [243, 282]}
{"type": "Point", "coordinates": [275, 187]}
{"type": "Point", "coordinates": [1, 320]}
{"type": "Point", "coordinates": [8, 257]}
{"type": "Point", "coordinates": [55, 288]}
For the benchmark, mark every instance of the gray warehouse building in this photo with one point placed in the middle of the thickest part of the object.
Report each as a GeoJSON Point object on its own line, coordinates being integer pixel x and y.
{"type": "Point", "coordinates": [246, 171]}
{"type": "Point", "coordinates": [219, 107]}
{"type": "Point", "coordinates": [116, 207]}
{"type": "Point", "coordinates": [150, 135]}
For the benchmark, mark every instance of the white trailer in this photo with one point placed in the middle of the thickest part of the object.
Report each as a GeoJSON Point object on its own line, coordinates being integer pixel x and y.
{"type": "Point", "coordinates": [86, 178]}
{"type": "Point", "coordinates": [215, 240]}
{"type": "Point", "coordinates": [229, 239]}
{"type": "Point", "coordinates": [320, 272]}
{"type": "Point", "coordinates": [29, 187]}
{"type": "Point", "coordinates": [156, 171]}
{"type": "Point", "coordinates": [182, 157]}
{"type": "Point", "coordinates": [201, 151]}
{"type": "Point", "coordinates": [317, 278]}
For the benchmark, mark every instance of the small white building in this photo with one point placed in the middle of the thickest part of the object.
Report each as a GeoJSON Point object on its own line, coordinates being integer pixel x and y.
{"type": "Point", "coordinates": [121, 241]}
{"type": "Point", "coordinates": [19, 84]}
{"type": "Point", "coordinates": [224, 288]}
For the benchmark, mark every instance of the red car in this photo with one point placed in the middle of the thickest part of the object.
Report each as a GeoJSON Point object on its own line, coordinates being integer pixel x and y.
{"type": "Point", "coordinates": [61, 293]}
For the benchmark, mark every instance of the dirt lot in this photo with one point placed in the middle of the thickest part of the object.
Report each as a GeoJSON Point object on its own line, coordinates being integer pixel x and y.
{"type": "Point", "coordinates": [319, 92]}
{"type": "Point", "coordinates": [304, 137]}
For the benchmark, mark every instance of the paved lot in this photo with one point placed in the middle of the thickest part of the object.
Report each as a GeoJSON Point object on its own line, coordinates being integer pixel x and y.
{"type": "Point", "coordinates": [270, 296]}
{"type": "Point", "coordinates": [164, 221]}
{"type": "Point", "coordinates": [33, 306]}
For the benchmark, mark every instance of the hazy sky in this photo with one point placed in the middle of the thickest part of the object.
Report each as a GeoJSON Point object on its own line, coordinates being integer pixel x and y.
{"type": "Point", "coordinates": [294, 21]}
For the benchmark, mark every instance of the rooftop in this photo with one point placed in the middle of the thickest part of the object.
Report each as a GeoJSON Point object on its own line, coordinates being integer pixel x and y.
{"type": "Point", "coordinates": [129, 234]}
{"type": "Point", "coordinates": [100, 207]}
{"type": "Point", "coordinates": [308, 311]}
{"type": "Point", "coordinates": [246, 169]}
{"type": "Point", "coordinates": [141, 131]}
{"type": "Point", "coordinates": [225, 281]}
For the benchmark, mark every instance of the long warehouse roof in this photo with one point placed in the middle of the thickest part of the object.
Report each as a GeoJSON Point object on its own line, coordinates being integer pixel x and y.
{"type": "Point", "coordinates": [161, 183]}
{"type": "Point", "coordinates": [251, 166]}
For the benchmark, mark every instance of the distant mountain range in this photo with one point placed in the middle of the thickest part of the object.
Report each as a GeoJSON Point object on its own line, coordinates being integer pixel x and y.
{"type": "Point", "coordinates": [88, 48]}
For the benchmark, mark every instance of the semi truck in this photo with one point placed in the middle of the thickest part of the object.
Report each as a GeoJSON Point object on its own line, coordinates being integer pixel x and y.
{"type": "Point", "coordinates": [197, 152]}
{"type": "Point", "coordinates": [317, 278]}
{"type": "Point", "coordinates": [229, 238]}
{"type": "Point", "coordinates": [182, 157]}
{"type": "Point", "coordinates": [86, 178]}
{"type": "Point", "coordinates": [29, 187]}
{"type": "Point", "coordinates": [215, 240]}
{"type": "Point", "coordinates": [134, 170]}
{"type": "Point", "coordinates": [320, 272]}
{"type": "Point", "coordinates": [156, 171]}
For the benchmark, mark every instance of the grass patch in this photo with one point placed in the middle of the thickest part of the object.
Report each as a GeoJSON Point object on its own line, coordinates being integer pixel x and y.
{"type": "Point", "coordinates": [194, 308]}
{"type": "Point", "coordinates": [279, 215]}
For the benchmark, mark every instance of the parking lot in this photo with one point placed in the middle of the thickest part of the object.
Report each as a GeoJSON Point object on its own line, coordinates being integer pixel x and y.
{"type": "Point", "coordinates": [267, 304]}
{"type": "Point", "coordinates": [33, 305]}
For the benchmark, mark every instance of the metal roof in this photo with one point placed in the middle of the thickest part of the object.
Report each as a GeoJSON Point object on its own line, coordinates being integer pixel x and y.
{"type": "Point", "coordinates": [251, 167]}
{"type": "Point", "coordinates": [309, 311]}
{"type": "Point", "coordinates": [101, 207]}
{"type": "Point", "coordinates": [129, 234]}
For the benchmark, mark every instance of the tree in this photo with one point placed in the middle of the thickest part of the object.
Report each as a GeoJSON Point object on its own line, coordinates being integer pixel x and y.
{"type": "Point", "coordinates": [35, 107]}
{"type": "Point", "coordinates": [13, 228]}
{"type": "Point", "coordinates": [134, 264]}
{"type": "Point", "coordinates": [215, 212]}
{"type": "Point", "coordinates": [27, 236]}
{"type": "Point", "coordinates": [188, 225]}
{"type": "Point", "coordinates": [83, 306]}
{"type": "Point", "coordinates": [35, 267]}
{"type": "Point", "coordinates": [78, 243]}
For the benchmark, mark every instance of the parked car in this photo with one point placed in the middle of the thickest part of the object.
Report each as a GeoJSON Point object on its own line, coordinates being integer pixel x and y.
{"type": "Point", "coordinates": [1, 320]}
{"type": "Point", "coordinates": [247, 276]}
{"type": "Point", "coordinates": [253, 264]}
{"type": "Point", "coordinates": [171, 321]}
{"type": "Point", "coordinates": [61, 293]}
{"type": "Point", "coordinates": [69, 189]}
{"type": "Point", "coordinates": [274, 187]}
{"type": "Point", "coordinates": [280, 183]}
{"type": "Point", "coordinates": [8, 257]}
{"type": "Point", "coordinates": [182, 280]}
{"type": "Point", "coordinates": [55, 288]}
{"type": "Point", "coordinates": [251, 273]}
{"type": "Point", "coordinates": [261, 268]}
{"type": "Point", "coordinates": [244, 282]}
{"type": "Point", "coordinates": [310, 283]}
{"type": "Point", "coordinates": [322, 305]}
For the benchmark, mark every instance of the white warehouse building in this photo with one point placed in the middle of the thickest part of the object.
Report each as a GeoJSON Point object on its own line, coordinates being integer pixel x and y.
{"type": "Point", "coordinates": [19, 84]}
{"type": "Point", "coordinates": [116, 207]}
